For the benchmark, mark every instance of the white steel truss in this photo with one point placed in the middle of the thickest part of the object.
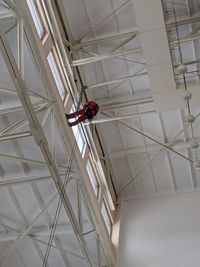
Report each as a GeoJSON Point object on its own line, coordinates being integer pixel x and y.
{"type": "Point", "coordinates": [16, 71]}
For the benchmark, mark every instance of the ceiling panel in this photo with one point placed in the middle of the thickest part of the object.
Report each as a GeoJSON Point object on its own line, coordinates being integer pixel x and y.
{"type": "Point", "coordinates": [168, 172]}
{"type": "Point", "coordinates": [142, 167]}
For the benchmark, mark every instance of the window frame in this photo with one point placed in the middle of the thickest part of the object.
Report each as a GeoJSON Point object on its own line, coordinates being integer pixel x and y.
{"type": "Point", "coordinates": [37, 12]}
{"type": "Point", "coordinates": [81, 133]}
{"type": "Point", "coordinates": [106, 216]}
{"type": "Point", "coordinates": [53, 54]}
{"type": "Point", "coordinates": [93, 178]}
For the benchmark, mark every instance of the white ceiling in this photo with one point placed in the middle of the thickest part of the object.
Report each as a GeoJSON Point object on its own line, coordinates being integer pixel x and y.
{"type": "Point", "coordinates": [22, 201]}
{"type": "Point", "coordinates": [169, 172]}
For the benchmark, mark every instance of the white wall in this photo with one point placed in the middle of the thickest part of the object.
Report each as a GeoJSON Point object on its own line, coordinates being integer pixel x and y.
{"type": "Point", "coordinates": [160, 232]}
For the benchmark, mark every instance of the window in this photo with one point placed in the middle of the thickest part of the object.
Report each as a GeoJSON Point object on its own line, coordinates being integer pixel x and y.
{"type": "Point", "coordinates": [79, 136]}
{"type": "Point", "coordinates": [36, 18]}
{"type": "Point", "coordinates": [92, 177]}
{"type": "Point", "coordinates": [106, 217]}
{"type": "Point", "coordinates": [56, 75]}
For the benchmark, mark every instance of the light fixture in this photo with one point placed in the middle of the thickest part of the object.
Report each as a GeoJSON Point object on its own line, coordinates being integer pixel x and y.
{"type": "Point", "coordinates": [187, 95]}
{"type": "Point", "coordinates": [190, 118]}
{"type": "Point", "coordinates": [194, 145]}
{"type": "Point", "coordinates": [182, 68]}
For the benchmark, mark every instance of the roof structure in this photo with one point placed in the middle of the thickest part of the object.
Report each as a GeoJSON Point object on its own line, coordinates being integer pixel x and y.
{"type": "Point", "coordinates": [129, 53]}
{"type": "Point", "coordinates": [139, 60]}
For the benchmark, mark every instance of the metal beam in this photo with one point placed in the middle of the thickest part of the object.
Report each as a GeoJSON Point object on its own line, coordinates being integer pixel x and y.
{"type": "Point", "coordinates": [181, 22]}
{"type": "Point", "coordinates": [102, 57]}
{"type": "Point", "coordinates": [110, 119]}
{"type": "Point", "coordinates": [20, 122]}
{"type": "Point", "coordinates": [40, 140]}
{"type": "Point", "coordinates": [10, 4]}
{"type": "Point", "coordinates": [39, 231]}
{"type": "Point", "coordinates": [156, 157]}
{"type": "Point", "coordinates": [20, 46]}
{"type": "Point", "coordinates": [40, 59]}
{"type": "Point", "coordinates": [15, 144]}
{"type": "Point", "coordinates": [112, 13]}
{"type": "Point", "coordinates": [7, 15]}
{"type": "Point", "coordinates": [22, 159]}
{"type": "Point", "coordinates": [31, 92]}
{"type": "Point", "coordinates": [123, 79]}
{"type": "Point", "coordinates": [178, 144]}
{"type": "Point", "coordinates": [140, 97]}
{"type": "Point", "coordinates": [125, 104]}
{"type": "Point", "coordinates": [7, 137]}
{"type": "Point", "coordinates": [185, 40]}
{"type": "Point", "coordinates": [123, 35]}
{"type": "Point", "coordinates": [16, 158]}
{"type": "Point", "coordinates": [14, 109]}
{"type": "Point", "coordinates": [49, 221]}
{"type": "Point", "coordinates": [153, 139]}
{"type": "Point", "coordinates": [34, 237]}
{"type": "Point", "coordinates": [105, 39]}
{"type": "Point", "coordinates": [61, 249]}
{"type": "Point", "coordinates": [24, 180]}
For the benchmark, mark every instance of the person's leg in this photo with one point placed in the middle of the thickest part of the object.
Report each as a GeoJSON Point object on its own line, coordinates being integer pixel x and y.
{"type": "Point", "coordinates": [75, 114]}
{"type": "Point", "coordinates": [79, 120]}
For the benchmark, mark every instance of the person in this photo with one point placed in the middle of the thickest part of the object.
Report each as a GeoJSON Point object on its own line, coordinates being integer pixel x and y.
{"type": "Point", "coordinates": [88, 112]}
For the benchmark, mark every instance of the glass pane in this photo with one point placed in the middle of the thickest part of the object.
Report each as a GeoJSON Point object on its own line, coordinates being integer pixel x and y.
{"type": "Point", "coordinates": [56, 75]}
{"type": "Point", "coordinates": [36, 17]}
{"type": "Point", "coordinates": [92, 177]}
{"type": "Point", "coordinates": [79, 139]}
{"type": "Point", "coordinates": [78, 134]}
{"type": "Point", "coordinates": [106, 217]}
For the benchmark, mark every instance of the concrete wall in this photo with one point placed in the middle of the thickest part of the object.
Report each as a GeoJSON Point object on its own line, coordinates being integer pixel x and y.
{"type": "Point", "coordinates": [160, 232]}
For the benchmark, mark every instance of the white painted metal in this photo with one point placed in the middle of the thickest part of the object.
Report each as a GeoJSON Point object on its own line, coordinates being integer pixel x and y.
{"type": "Point", "coordinates": [113, 37]}
{"type": "Point", "coordinates": [92, 86]}
{"type": "Point", "coordinates": [58, 38]}
{"type": "Point", "coordinates": [177, 145]}
{"type": "Point", "coordinates": [105, 39]}
{"type": "Point", "coordinates": [17, 158]}
{"type": "Point", "coordinates": [39, 231]}
{"type": "Point", "coordinates": [107, 243]}
{"type": "Point", "coordinates": [7, 15]}
{"type": "Point", "coordinates": [138, 175]}
{"type": "Point", "coordinates": [15, 136]}
{"type": "Point", "coordinates": [128, 99]}
{"type": "Point", "coordinates": [40, 139]}
{"type": "Point", "coordinates": [14, 109]}
{"type": "Point", "coordinates": [24, 180]}
{"type": "Point", "coordinates": [84, 61]}
{"type": "Point", "coordinates": [119, 118]}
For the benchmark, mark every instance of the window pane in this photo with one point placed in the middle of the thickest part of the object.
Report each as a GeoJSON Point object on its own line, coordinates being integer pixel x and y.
{"type": "Point", "coordinates": [78, 134]}
{"type": "Point", "coordinates": [78, 137]}
{"type": "Point", "coordinates": [92, 177]}
{"type": "Point", "coordinates": [106, 217]}
{"type": "Point", "coordinates": [36, 17]}
{"type": "Point", "coordinates": [56, 75]}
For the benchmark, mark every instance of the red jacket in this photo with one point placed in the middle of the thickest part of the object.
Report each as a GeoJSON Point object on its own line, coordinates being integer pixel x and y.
{"type": "Point", "coordinates": [93, 107]}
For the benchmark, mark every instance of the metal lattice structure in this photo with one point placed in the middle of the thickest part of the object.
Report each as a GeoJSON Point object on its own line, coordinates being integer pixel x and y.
{"type": "Point", "coordinates": [33, 126]}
